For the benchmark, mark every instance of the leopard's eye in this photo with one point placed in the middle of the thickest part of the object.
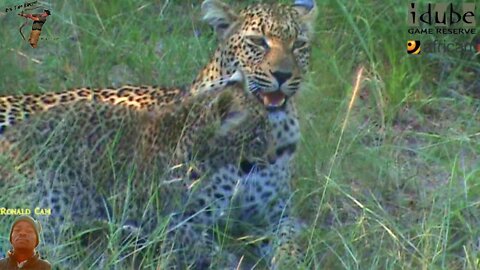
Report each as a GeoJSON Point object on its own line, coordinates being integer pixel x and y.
{"type": "Point", "coordinates": [299, 44]}
{"type": "Point", "coordinates": [258, 41]}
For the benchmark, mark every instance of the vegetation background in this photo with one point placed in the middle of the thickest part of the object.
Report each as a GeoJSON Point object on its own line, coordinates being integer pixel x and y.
{"type": "Point", "coordinates": [392, 182]}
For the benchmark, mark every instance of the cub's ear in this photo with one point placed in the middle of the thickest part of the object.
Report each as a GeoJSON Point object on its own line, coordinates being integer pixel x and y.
{"type": "Point", "coordinates": [220, 16]}
{"type": "Point", "coordinates": [308, 13]}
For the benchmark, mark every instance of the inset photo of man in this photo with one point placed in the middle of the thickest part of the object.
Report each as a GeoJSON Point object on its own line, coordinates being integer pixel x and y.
{"type": "Point", "coordinates": [24, 238]}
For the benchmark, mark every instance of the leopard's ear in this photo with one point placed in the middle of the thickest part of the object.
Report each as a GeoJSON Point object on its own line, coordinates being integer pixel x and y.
{"type": "Point", "coordinates": [220, 16]}
{"type": "Point", "coordinates": [308, 13]}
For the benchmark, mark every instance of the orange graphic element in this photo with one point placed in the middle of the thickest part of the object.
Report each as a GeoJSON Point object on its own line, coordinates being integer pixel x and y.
{"type": "Point", "coordinates": [38, 21]}
{"type": "Point", "coordinates": [413, 47]}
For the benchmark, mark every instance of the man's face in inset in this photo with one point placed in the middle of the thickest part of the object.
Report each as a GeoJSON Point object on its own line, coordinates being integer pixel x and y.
{"type": "Point", "coordinates": [24, 236]}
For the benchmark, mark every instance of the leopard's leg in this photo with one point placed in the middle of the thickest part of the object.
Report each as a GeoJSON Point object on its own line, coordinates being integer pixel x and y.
{"type": "Point", "coordinates": [279, 245]}
{"type": "Point", "coordinates": [193, 231]}
{"type": "Point", "coordinates": [266, 202]}
{"type": "Point", "coordinates": [67, 210]}
{"type": "Point", "coordinates": [283, 250]}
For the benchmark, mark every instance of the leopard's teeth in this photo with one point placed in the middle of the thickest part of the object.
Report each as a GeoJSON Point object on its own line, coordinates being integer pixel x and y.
{"type": "Point", "coordinates": [274, 99]}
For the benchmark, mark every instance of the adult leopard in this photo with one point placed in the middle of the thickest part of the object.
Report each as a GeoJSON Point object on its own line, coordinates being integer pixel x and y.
{"type": "Point", "coordinates": [270, 44]}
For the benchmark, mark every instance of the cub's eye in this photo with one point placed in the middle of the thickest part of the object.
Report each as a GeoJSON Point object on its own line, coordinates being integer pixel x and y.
{"type": "Point", "coordinates": [299, 44]}
{"type": "Point", "coordinates": [259, 41]}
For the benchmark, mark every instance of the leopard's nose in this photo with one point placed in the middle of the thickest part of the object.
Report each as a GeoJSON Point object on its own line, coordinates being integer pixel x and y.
{"type": "Point", "coordinates": [281, 77]}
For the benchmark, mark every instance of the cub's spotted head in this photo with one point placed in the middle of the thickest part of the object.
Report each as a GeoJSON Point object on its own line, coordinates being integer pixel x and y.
{"type": "Point", "coordinates": [269, 43]}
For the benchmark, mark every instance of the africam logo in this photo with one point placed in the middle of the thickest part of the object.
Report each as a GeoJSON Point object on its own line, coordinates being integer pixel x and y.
{"type": "Point", "coordinates": [38, 19]}
{"type": "Point", "coordinates": [443, 46]}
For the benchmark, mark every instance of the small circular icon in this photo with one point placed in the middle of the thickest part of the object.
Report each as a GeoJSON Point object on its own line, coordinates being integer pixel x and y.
{"type": "Point", "coordinates": [413, 47]}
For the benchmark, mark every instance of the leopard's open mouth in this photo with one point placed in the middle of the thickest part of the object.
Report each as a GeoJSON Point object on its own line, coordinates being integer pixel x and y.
{"type": "Point", "coordinates": [272, 100]}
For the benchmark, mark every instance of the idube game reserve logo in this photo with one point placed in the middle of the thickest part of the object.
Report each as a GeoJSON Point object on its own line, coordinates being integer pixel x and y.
{"type": "Point", "coordinates": [444, 28]}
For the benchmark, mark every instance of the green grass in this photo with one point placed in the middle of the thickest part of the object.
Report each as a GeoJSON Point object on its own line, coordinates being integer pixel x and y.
{"type": "Point", "coordinates": [409, 202]}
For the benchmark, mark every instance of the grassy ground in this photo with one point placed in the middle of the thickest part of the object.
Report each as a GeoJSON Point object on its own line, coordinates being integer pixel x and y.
{"type": "Point", "coordinates": [391, 182]}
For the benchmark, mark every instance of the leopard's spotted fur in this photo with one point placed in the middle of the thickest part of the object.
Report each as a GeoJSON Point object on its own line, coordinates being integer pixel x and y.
{"type": "Point", "coordinates": [270, 44]}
